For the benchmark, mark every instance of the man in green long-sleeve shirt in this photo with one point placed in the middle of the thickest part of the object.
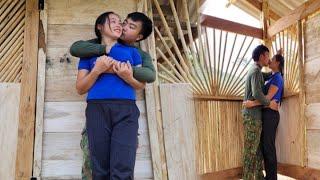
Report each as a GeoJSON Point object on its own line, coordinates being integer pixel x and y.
{"type": "Point", "coordinates": [252, 157]}
{"type": "Point", "coordinates": [136, 27]}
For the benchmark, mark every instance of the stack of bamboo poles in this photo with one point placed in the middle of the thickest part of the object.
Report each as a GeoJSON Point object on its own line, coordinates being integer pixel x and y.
{"type": "Point", "coordinates": [12, 14]}
{"type": "Point", "coordinates": [287, 40]}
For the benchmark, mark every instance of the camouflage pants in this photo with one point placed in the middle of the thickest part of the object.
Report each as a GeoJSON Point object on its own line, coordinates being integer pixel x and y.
{"type": "Point", "coordinates": [252, 156]}
{"type": "Point", "coordinates": [86, 163]}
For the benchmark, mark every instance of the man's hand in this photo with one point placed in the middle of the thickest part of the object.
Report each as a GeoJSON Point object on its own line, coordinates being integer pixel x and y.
{"type": "Point", "coordinates": [274, 105]}
{"type": "Point", "coordinates": [103, 63]}
{"type": "Point", "coordinates": [123, 70]}
{"type": "Point", "coordinates": [248, 104]}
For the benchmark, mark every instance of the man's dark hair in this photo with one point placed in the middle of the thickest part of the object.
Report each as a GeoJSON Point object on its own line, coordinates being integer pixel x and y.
{"type": "Point", "coordinates": [146, 28]}
{"type": "Point", "coordinates": [261, 49]}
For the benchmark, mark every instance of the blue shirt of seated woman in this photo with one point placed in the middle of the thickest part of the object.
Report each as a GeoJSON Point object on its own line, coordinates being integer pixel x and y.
{"type": "Point", "coordinates": [111, 86]}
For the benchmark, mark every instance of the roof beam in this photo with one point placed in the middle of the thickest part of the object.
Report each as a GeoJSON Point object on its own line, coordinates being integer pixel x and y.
{"type": "Point", "coordinates": [230, 26]}
{"type": "Point", "coordinates": [299, 13]}
{"type": "Point", "coordinates": [258, 5]}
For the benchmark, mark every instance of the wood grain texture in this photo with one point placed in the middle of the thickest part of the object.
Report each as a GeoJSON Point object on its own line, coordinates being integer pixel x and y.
{"type": "Point", "coordinates": [179, 128]}
{"type": "Point", "coordinates": [84, 12]}
{"type": "Point", "coordinates": [24, 159]}
{"type": "Point", "coordinates": [290, 133]}
{"type": "Point", "coordinates": [9, 116]}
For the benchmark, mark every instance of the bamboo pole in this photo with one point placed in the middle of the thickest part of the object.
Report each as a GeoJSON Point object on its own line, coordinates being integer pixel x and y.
{"type": "Point", "coordinates": [231, 53]}
{"type": "Point", "coordinates": [11, 62]}
{"type": "Point", "coordinates": [4, 22]}
{"type": "Point", "coordinates": [222, 62]}
{"type": "Point", "coordinates": [18, 18]}
{"type": "Point", "coordinates": [161, 67]}
{"type": "Point", "coordinates": [13, 68]}
{"type": "Point", "coordinates": [170, 64]}
{"type": "Point", "coordinates": [184, 45]}
{"type": "Point", "coordinates": [8, 9]}
{"type": "Point", "coordinates": [190, 36]}
{"type": "Point", "coordinates": [12, 50]}
{"type": "Point", "coordinates": [232, 72]}
{"type": "Point", "coordinates": [211, 78]}
{"type": "Point", "coordinates": [166, 78]}
{"type": "Point", "coordinates": [231, 85]}
{"type": "Point", "coordinates": [12, 37]}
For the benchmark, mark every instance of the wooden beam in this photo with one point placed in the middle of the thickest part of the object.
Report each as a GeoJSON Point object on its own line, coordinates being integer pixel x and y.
{"type": "Point", "coordinates": [24, 156]}
{"type": "Point", "coordinates": [230, 26]}
{"type": "Point", "coordinates": [300, 13]}
{"type": "Point", "coordinates": [217, 98]}
{"type": "Point", "coordinates": [235, 173]}
{"type": "Point", "coordinates": [257, 4]}
{"type": "Point", "coordinates": [298, 172]}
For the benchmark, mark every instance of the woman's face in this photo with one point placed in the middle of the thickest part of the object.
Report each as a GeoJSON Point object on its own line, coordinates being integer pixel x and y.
{"type": "Point", "coordinates": [112, 27]}
{"type": "Point", "coordinates": [274, 64]}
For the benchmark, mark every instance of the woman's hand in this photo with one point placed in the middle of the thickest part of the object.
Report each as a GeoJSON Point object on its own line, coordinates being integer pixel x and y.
{"type": "Point", "coordinates": [123, 70]}
{"type": "Point", "coordinates": [248, 104]}
{"type": "Point", "coordinates": [103, 64]}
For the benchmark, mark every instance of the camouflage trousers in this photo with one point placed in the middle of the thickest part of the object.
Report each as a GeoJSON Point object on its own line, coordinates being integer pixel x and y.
{"type": "Point", "coordinates": [252, 155]}
{"type": "Point", "coordinates": [86, 171]}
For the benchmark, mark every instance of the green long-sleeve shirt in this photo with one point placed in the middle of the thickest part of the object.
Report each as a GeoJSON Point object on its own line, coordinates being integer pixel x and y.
{"type": "Point", "coordinates": [84, 49]}
{"type": "Point", "coordinates": [253, 91]}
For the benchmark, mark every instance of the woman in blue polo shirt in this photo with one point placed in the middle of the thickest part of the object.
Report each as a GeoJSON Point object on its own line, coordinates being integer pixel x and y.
{"type": "Point", "coordinates": [274, 88]}
{"type": "Point", "coordinates": [111, 113]}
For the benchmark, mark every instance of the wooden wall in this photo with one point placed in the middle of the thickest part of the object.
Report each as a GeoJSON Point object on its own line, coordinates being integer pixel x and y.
{"type": "Point", "coordinates": [9, 118]}
{"type": "Point", "coordinates": [312, 83]}
{"type": "Point", "coordinates": [290, 133]}
{"type": "Point", "coordinates": [64, 119]}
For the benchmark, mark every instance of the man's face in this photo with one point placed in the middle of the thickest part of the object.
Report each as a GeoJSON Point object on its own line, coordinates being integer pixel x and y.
{"type": "Point", "coordinates": [131, 31]}
{"type": "Point", "coordinates": [265, 58]}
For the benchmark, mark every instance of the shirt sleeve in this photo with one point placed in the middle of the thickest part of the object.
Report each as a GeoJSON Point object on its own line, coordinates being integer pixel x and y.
{"type": "Point", "coordinates": [136, 57]}
{"type": "Point", "coordinates": [277, 81]}
{"type": "Point", "coordinates": [257, 92]}
{"type": "Point", "coordinates": [84, 63]}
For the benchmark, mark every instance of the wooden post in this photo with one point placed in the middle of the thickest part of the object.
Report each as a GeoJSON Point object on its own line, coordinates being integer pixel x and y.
{"type": "Point", "coordinates": [40, 92]}
{"type": "Point", "coordinates": [28, 92]}
{"type": "Point", "coordinates": [302, 94]}
{"type": "Point", "coordinates": [154, 116]}
{"type": "Point", "coordinates": [265, 20]}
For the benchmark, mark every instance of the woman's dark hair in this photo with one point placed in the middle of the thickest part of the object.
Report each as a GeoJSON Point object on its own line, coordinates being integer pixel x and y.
{"type": "Point", "coordinates": [101, 20]}
{"type": "Point", "coordinates": [279, 58]}
{"type": "Point", "coordinates": [261, 49]}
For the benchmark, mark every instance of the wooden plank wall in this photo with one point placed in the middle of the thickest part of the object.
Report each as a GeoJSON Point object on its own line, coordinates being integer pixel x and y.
{"type": "Point", "coordinates": [180, 131]}
{"type": "Point", "coordinates": [9, 117]}
{"type": "Point", "coordinates": [312, 83]}
{"type": "Point", "coordinates": [290, 133]}
{"type": "Point", "coordinates": [69, 21]}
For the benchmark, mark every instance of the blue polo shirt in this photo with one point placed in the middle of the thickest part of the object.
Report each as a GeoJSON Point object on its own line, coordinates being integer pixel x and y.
{"type": "Point", "coordinates": [111, 86]}
{"type": "Point", "coordinates": [276, 80]}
